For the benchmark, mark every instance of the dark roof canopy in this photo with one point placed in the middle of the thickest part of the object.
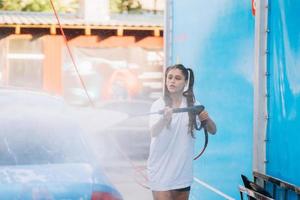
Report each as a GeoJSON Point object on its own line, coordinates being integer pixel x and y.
{"type": "Point", "coordinates": [119, 22]}
{"type": "Point", "coordinates": [39, 18]}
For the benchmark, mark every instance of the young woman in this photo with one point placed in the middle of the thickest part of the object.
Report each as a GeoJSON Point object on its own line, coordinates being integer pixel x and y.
{"type": "Point", "coordinates": [170, 168]}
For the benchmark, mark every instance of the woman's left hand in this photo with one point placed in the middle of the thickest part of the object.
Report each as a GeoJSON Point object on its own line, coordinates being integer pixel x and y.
{"type": "Point", "coordinates": [209, 123]}
{"type": "Point", "coordinates": [203, 115]}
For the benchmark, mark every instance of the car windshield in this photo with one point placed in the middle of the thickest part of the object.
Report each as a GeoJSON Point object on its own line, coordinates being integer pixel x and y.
{"type": "Point", "coordinates": [28, 142]}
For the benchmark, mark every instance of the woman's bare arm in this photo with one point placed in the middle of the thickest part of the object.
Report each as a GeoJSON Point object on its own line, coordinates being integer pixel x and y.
{"type": "Point", "coordinates": [209, 123]}
{"type": "Point", "coordinates": [162, 123]}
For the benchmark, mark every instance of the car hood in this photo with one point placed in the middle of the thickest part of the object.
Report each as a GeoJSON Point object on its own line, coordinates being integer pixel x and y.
{"type": "Point", "coordinates": [51, 181]}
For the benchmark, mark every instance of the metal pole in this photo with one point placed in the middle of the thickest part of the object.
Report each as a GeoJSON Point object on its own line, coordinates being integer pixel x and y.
{"type": "Point", "coordinates": [260, 87]}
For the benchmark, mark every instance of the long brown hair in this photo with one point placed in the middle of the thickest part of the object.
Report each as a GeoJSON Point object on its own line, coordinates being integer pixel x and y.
{"type": "Point", "coordinates": [189, 93]}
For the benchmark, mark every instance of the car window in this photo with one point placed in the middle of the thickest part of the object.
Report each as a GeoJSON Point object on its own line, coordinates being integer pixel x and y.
{"type": "Point", "coordinates": [25, 144]}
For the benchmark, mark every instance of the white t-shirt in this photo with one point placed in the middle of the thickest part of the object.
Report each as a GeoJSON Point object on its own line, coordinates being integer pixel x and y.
{"type": "Point", "coordinates": [170, 162]}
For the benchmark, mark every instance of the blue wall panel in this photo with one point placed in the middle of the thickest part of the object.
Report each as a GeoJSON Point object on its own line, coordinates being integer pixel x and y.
{"type": "Point", "coordinates": [216, 39]}
{"type": "Point", "coordinates": [284, 88]}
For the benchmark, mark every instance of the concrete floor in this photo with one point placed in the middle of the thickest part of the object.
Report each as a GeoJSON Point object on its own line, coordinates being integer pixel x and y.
{"type": "Point", "coordinates": [124, 163]}
{"type": "Point", "coordinates": [128, 181]}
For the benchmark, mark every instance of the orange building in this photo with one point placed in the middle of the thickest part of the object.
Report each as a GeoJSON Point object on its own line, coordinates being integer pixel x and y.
{"type": "Point", "coordinates": [33, 53]}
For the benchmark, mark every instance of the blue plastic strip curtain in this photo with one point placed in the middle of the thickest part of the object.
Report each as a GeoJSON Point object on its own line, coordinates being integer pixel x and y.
{"type": "Point", "coordinates": [283, 132]}
{"type": "Point", "coordinates": [216, 39]}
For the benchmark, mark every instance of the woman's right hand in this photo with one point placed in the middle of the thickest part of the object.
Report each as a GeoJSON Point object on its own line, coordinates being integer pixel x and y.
{"type": "Point", "coordinates": [167, 116]}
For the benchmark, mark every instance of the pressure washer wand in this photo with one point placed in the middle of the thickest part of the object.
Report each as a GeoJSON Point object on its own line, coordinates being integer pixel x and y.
{"type": "Point", "coordinates": [194, 109]}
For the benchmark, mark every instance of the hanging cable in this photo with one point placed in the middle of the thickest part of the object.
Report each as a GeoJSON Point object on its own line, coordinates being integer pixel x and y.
{"type": "Point", "coordinates": [71, 55]}
{"type": "Point", "coordinates": [136, 169]}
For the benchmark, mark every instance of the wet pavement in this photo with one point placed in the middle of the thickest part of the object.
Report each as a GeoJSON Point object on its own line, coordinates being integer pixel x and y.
{"type": "Point", "coordinates": [123, 148]}
{"type": "Point", "coordinates": [123, 155]}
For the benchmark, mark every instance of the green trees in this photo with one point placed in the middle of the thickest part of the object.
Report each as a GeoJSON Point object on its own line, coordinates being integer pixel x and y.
{"type": "Point", "coordinates": [64, 6]}
{"type": "Point", "coordinates": [39, 5]}
{"type": "Point", "coordinates": [120, 6]}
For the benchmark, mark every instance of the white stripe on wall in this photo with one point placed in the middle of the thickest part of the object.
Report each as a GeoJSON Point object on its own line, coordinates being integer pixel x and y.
{"type": "Point", "coordinates": [213, 189]}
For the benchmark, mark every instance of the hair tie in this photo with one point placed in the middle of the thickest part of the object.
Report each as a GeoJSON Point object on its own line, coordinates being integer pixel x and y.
{"type": "Point", "coordinates": [186, 87]}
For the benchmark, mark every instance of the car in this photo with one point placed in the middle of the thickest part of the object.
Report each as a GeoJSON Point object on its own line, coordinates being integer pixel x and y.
{"type": "Point", "coordinates": [44, 152]}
